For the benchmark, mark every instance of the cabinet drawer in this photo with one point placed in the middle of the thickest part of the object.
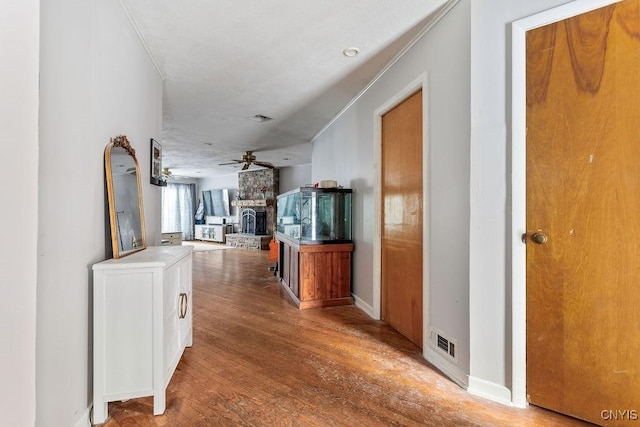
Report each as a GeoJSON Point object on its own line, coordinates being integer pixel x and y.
{"type": "Point", "coordinates": [172, 235]}
{"type": "Point", "coordinates": [171, 239]}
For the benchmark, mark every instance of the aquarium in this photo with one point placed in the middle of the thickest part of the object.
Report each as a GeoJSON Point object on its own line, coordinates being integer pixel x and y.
{"type": "Point", "coordinates": [315, 215]}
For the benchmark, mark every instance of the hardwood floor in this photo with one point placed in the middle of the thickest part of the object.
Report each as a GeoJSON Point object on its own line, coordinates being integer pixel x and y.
{"type": "Point", "coordinates": [257, 360]}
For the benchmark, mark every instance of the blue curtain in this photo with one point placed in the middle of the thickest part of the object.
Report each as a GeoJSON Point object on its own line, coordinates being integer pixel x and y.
{"type": "Point", "coordinates": [178, 209]}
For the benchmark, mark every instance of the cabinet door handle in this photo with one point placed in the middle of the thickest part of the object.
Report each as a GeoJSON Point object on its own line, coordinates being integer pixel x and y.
{"type": "Point", "coordinates": [184, 303]}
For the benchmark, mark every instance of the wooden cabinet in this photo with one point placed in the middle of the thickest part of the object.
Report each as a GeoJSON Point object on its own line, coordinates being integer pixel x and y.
{"type": "Point", "coordinates": [213, 232]}
{"type": "Point", "coordinates": [316, 275]}
{"type": "Point", "coordinates": [142, 323]}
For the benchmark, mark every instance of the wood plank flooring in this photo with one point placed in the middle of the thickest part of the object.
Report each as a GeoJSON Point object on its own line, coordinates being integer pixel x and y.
{"type": "Point", "coordinates": [257, 360]}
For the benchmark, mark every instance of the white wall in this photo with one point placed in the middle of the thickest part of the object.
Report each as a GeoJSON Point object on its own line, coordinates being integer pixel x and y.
{"type": "Point", "coordinates": [229, 181]}
{"type": "Point", "coordinates": [293, 177]}
{"type": "Point", "coordinates": [96, 82]}
{"type": "Point", "coordinates": [18, 257]}
{"type": "Point", "coordinates": [344, 152]}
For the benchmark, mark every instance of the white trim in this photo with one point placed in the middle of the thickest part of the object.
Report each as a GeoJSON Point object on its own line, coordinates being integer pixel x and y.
{"type": "Point", "coordinates": [421, 82]}
{"type": "Point", "coordinates": [446, 367]}
{"type": "Point", "coordinates": [85, 419]}
{"type": "Point", "coordinates": [143, 40]}
{"type": "Point", "coordinates": [362, 305]}
{"type": "Point", "coordinates": [496, 392]}
{"type": "Point", "coordinates": [446, 8]}
{"type": "Point", "coordinates": [518, 179]}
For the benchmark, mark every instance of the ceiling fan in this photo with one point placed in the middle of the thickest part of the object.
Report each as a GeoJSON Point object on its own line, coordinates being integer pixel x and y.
{"type": "Point", "coordinates": [166, 174]}
{"type": "Point", "coordinates": [248, 159]}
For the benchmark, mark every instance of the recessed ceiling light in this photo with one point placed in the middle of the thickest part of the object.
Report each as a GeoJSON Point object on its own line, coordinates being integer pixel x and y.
{"type": "Point", "coordinates": [260, 118]}
{"type": "Point", "coordinates": [351, 51]}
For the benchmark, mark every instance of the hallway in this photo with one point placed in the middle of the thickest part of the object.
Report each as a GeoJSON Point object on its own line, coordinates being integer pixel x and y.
{"type": "Point", "coordinates": [256, 360]}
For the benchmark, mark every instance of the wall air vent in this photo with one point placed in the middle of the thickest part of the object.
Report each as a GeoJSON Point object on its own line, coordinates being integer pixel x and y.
{"type": "Point", "coordinates": [444, 345]}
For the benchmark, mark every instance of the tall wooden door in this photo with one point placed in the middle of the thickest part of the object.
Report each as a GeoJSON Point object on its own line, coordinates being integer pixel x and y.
{"type": "Point", "coordinates": [583, 215]}
{"type": "Point", "coordinates": [402, 218]}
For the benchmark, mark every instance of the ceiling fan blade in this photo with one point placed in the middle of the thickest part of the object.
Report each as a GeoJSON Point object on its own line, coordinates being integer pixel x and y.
{"type": "Point", "coordinates": [246, 166]}
{"type": "Point", "coordinates": [264, 164]}
{"type": "Point", "coordinates": [232, 162]}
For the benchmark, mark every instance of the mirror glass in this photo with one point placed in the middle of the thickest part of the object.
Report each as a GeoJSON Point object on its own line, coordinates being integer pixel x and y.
{"type": "Point", "coordinates": [124, 190]}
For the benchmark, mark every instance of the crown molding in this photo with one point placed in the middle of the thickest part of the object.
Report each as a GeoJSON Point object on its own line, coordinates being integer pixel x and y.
{"type": "Point", "coordinates": [143, 40]}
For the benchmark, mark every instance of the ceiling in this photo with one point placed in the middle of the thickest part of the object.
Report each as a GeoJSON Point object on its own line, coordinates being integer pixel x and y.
{"type": "Point", "coordinates": [224, 62]}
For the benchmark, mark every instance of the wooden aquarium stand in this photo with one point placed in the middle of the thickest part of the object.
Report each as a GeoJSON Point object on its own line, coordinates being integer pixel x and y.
{"type": "Point", "coordinates": [315, 275]}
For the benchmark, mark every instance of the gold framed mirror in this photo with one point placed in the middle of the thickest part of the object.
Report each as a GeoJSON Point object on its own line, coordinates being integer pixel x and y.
{"type": "Point", "coordinates": [124, 191]}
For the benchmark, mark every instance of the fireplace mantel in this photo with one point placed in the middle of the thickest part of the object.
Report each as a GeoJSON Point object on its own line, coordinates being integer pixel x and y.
{"type": "Point", "coordinates": [252, 203]}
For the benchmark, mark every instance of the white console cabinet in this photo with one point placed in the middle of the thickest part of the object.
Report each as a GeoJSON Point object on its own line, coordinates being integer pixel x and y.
{"type": "Point", "coordinates": [142, 322]}
{"type": "Point", "coordinates": [213, 232]}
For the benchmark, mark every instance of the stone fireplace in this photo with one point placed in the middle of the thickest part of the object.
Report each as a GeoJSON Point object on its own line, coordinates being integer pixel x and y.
{"type": "Point", "coordinates": [257, 191]}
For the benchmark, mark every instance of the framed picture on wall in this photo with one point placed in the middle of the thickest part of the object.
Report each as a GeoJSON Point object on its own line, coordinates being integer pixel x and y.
{"type": "Point", "coordinates": [156, 164]}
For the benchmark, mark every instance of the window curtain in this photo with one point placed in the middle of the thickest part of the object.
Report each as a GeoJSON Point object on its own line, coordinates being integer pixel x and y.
{"type": "Point", "coordinates": [178, 209]}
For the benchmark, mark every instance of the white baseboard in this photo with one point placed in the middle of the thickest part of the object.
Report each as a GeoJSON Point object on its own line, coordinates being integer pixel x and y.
{"type": "Point", "coordinates": [363, 306]}
{"type": "Point", "coordinates": [450, 370]}
{"type": "Point", "coordinates": [492, 391]}
{"type": "Point", "coordinates": [85, 419]}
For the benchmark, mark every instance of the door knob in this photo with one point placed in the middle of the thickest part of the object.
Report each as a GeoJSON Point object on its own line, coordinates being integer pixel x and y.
{"type": "Point", "coordinates": [539, 238]}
